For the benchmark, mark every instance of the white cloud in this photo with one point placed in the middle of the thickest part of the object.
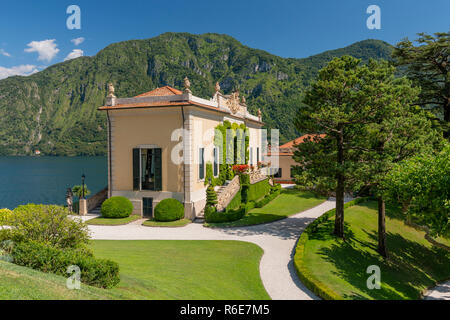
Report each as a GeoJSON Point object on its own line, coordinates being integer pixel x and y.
{"type": "Point", "coordinates": [77, 41]}
{"type": "Point", "coordinates": [3, 52]}
{"type": "Point", "coordinates": [74, 54]}
{"type": "Point", "coordinates": [47, 49]}
{"type": "Point", "coordinates": [22, 70]}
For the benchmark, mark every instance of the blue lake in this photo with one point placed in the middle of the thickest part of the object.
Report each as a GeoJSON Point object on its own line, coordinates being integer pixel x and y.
{"type": "Point", "coordinates": [46, 179]}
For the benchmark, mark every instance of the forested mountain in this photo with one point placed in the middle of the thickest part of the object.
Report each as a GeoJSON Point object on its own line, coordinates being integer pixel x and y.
{"type": "Point", "coordinates": [55, 110]}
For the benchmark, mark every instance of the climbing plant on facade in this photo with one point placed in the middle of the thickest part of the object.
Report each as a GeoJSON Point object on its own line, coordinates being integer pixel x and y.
{"type": "Point", "coordinates": [233, 148]}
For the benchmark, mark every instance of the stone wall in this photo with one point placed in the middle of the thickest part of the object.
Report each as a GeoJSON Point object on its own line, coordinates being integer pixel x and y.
{"type": "Point", "coordinates": [228, 193]}
{"type": "Point", "coordinates": [256, 176]}
{"type": "Point", "coordinates": [97, 199]}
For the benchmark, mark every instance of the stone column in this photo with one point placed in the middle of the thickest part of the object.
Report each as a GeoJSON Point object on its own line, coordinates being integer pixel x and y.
{"type": "Point", "coordinates": [83, 207]}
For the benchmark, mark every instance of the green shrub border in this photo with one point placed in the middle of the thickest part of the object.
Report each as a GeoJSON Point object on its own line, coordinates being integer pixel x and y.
{"type": "Point", "coordinates": [100, 273]}
{"type": "Point", "coordinates": [227, 216]}
{"type": "Point", "coordinates": [258, 190]}
{"type": "Point", "coordinates": [236, 202]}
{"type": "Point", "coordinates": [311, 282]}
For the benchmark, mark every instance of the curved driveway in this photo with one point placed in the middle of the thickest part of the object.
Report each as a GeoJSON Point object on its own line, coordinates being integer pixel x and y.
{"type": "Point", "coordinates": [277, 239]}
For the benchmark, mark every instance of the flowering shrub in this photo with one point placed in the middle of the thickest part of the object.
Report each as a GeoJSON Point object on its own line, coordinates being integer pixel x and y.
{"type": "Point", "coordinates": [241, 168]}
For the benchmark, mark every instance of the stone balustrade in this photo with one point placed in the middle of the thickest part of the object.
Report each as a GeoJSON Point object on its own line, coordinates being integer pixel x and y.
{"type": "Point", "coordinates": [257, 175]}
{"type": "Point", "coordinates": [227, 194]}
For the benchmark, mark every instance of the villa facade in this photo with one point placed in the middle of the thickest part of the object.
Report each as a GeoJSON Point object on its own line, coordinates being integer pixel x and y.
{"type": "Point", "coordinates": [159, 143]}
{"type": "Point", "coordinates": [286, 163]}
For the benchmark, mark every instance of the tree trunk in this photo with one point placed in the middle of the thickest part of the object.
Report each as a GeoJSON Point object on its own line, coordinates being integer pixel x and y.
{"type": "Point", "coordinates": [447, 118]}
{"type": "Point", "coordinates": [339, 219]}
{"type": "Point", "coordinates": [382, 249]}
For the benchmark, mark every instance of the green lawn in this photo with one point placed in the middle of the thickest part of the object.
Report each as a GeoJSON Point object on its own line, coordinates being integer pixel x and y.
{"type": "Point", "coordinates": [113, 222]}
{"type": "Point", "coordinates": [289, 202]}
{"type": "Point", "coordinates": [173, 224]}
{"type": "Point", "coordinates": [172, 269]}
{"type": "Point", "coordinates": [413, 264]}
{"type": "Point", "coordinates": [153, 269]}
{"type": "Point", "coordinates": [20, 283]}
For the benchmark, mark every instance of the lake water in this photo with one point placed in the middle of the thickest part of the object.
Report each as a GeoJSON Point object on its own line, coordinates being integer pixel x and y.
{"type": "Point", "coordinates": [46, 179]}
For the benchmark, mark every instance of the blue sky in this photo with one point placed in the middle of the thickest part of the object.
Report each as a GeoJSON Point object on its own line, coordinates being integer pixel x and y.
{"type": "Point", "coordinates": [295, 28]}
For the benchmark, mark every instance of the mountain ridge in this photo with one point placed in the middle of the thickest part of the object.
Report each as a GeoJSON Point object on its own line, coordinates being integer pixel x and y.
{"type": "Point", "coordinates": [55, 110]}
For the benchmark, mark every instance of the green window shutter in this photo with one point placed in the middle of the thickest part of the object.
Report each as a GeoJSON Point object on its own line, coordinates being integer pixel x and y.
{"type": "Point", "coordinates": [136, 169]}
{"type": "Point", "coordinates": [201, 166]}
{"type": "Point", "coordinates": [216, 162]}
{"type": "Point", "coordinates": [158, 169]}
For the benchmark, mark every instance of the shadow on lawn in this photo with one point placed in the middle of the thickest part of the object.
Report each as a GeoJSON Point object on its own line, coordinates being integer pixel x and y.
{"type": "Point", "coordinates": [302, 194]}
{"type": "Point", "coordinates": [286, 229]}
{"type": "Point", "coordinates": [410, 268]}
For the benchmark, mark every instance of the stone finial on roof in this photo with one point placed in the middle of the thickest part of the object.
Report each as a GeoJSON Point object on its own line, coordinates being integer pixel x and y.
{"type": "Point", "coordinates": [187, 85]}
{"type": "Point", "coordinates": [243, 100]}
{"type": "Point", "coordinates": [259, 115]}
{"type": "Point", "coordinates": [110, 89]}
{"type": "Point", "coordinates": [217, 86]}
{"type": "Point", "coordinates": [110, 98]}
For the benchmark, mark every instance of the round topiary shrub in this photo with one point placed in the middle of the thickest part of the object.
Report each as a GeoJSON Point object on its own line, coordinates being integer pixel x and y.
{"type": "Point", "coordinates": [169, 210]}
{"type": "Point", "coordinates": [117, 207]}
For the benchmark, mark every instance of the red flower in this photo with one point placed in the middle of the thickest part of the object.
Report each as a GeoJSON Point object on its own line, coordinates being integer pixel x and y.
{"type": "Point", "coordinates": [240, 168]}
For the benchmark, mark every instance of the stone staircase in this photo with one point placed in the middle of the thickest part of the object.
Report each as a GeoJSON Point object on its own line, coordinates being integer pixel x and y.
{"type": "Point", "coordinates": [96, 210]}
{"type": "Point", "coordinates": [222, 197]}
{"type": "Point", "coordinates": [220, 190]}
{"type": "Point", "coordinates": [226, 193]}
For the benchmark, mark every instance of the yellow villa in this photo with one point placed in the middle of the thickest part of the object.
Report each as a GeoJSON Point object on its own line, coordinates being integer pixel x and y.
{"type": "Point", "coordinates": [159, 143]}
{"type": "Point", "coordinates": [286, 162]}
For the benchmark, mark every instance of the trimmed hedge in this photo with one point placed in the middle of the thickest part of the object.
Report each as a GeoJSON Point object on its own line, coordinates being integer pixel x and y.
{"type": "Point", "coordinates": [261, 203]}
{"type": "Point", "coordinates": [117, 207]}
{"type": "Point", "coordinates": [244, 179]}
{"type": "Point", "coordinates": [226, 216]}
{"type": "Point", "coordinates": [311, 282]}
{"type": "Point", "coordinates": [258, 190]}
{"type": "Point", "coordinates": [96, 272]}
{"type": "Point", "coordinates": [235, 203]}
{"type": "Point", "coordinates": [169, 210]}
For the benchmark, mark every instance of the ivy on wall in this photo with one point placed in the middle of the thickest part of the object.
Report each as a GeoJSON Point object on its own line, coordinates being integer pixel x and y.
{"type": "Point", "coordinates": [230, 153]}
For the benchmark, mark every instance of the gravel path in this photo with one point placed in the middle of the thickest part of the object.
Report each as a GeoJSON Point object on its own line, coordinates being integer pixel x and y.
{"type": "Point", "coordinates": [277, 239]}
{"type": "Point", "coordinates": [440, 292]}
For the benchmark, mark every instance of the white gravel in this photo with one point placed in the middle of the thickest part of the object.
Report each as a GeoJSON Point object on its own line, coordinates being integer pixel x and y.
{"type": "Point", "coordinates": [277, 239]}
{"type": "Point", "coordinates": [440, 292]}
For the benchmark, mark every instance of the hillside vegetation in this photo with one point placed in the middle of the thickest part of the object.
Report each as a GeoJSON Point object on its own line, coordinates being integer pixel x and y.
{"type": "Point", "coordinates": [55, 110]}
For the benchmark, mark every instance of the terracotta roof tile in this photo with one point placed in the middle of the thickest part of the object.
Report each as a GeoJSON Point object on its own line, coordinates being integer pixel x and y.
{"type": "Point", "coordinates": [146, 105]}
{"type": "Point", "coordinates": [287, 149]}
{"type": "Point", "coordinates": [298, 140]}
{"type": "Point", "coordinates": [163, 91]}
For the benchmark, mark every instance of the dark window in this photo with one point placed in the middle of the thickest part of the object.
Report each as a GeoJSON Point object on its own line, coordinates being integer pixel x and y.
{"type": "Point", "coordinates": [201, 165]}
{"type": "Point", "coordinates": [158, 169]}
{"type": "Point", "coordinates": [136, 166]}
{"type": "Point", "coordinates": [278, 173]}
{"type": "Point", "coordinates": [257, 155]}
{"type": "Point", "coordinates": [216, 162]}
{"type": "Point", "coordinates": [150, 169]}
{"type": "Point", "coordinates": [251, 156]}
{"type": "Point", "coordinates": [147, 207]}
